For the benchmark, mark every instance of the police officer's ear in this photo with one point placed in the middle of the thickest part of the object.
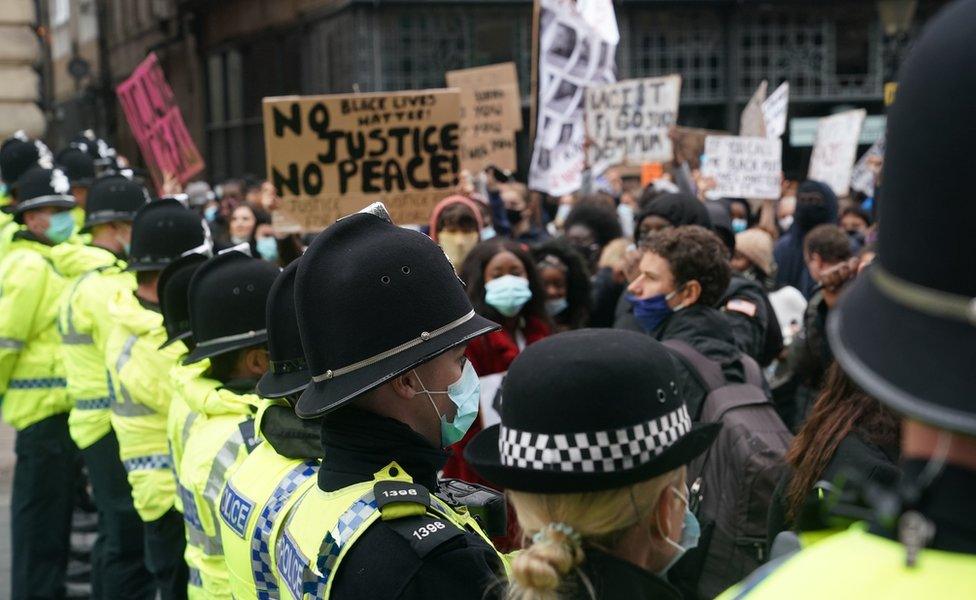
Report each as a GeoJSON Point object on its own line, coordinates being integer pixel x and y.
{"type": "Point", "coordinates": [255, 361]}
{"type": "Point", "coordinates": [406, 385]}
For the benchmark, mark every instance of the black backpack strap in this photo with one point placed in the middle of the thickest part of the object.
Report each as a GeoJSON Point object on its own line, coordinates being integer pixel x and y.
{"type": "Point", "coordinates": [709, 371]}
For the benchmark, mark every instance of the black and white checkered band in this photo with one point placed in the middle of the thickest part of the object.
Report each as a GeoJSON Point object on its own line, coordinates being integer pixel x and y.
{"type": "Point", "coordinates": [593, 451]}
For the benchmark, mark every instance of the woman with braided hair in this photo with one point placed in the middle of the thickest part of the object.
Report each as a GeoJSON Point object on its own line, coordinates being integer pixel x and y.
{"type": "Point", "coordinates": [599, 487]}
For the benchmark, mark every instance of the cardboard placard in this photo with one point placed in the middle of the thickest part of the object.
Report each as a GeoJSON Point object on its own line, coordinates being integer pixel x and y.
{"type": "Point", "coordinates": [835, 149]}
{"type": "Point", "coordinates": [573, 56]}
{"type": "Point", "coordinates": [628, 122]}
{"type": "Point", "coordinates": [157, 124]}
{"type": "Point", "coordinates": [775, 109]}
{"type": "Point", "coordinates": [491, 113]}
{"type": "Point", "coordinates": [744, 167]}
{"type": "Point", "coordinates": [330, 156]}
{"type": "Point", "coordinates": [752, 122]}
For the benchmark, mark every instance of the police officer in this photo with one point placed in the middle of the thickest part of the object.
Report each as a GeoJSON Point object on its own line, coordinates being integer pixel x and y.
{"type": "Point", "coordinates": [18, 153]}
{"type": "Point", "coordinates": [388, 370]}
{"type": "Point", "coordinates": [227, 298]}
{"type": "Point", "coordinates": [279, 471]}
{"type": "Point", "coordinates": [32, 384]}
{"type": "Point", "coordinates": [906, 333]}
{"type": "Point", "coordinates": [173, 288]}
{"type": "Point", "coordinates": [161, 232]}
{"type": "Point", "coordinates": [96, 275]}
{"type": "Point", "coordinates": [79, 166]}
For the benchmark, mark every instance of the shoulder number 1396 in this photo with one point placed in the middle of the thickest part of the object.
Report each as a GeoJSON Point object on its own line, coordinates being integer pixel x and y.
{"type": "Point", "coordinates": [426, 530]}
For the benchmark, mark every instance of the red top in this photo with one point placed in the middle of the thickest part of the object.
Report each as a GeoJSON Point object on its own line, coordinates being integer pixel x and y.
{"type": "Point", "coordinates": [490, 354]}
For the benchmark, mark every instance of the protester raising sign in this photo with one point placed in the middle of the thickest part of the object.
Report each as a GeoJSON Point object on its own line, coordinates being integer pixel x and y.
{"type": "Point", "coordinates": [835, 149]}
{"type": "Point", "coordinates": [329, 156]}
{"type": "Point", "coordinates": [491, 113]}
{"type": "Point", "coordinates": [628, 122]}
{"type": "Point", "coordinates": [573, 55]}
{"type": "Point", "coordinates": [157, 124]}
{"type": "Point", "coordinates": [743, 167]}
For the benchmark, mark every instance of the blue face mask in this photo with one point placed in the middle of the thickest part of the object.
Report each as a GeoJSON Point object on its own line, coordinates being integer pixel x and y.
{"type": "Point", "coordinates": [210, 213]}
{"type": "Point", "coordinates": [268, 248]}
{"type": "Point", "coordinates": [60, 227]}
{"type": "Point", "coordinates": [508, 294]}
{"type": "Point", "coordinates": [465, 393]}
{"type": "Point", "coordinates": [739, 225]}
{"type": "Point", "coordinates": [487, 233]}
{"type": "Point", "coordinates": [556, 306]}
{"type": "Point", "coordinates": [690, 533]}
{"type": "Point", "coordinates": [651, 312]}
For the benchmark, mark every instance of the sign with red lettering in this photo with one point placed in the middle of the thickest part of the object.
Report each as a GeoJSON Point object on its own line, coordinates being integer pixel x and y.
{"type": "Point", "coordinates": [157, 124]}
{"type": "Point", "coordinates": [330, 156]}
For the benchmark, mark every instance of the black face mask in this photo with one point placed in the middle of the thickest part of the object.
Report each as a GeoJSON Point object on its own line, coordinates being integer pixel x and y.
{"type": "Point", "coordinates": [514, 216]}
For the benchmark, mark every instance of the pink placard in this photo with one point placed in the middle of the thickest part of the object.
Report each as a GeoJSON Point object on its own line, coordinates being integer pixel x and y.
{"type": "Point", "coordinates": [157, 124]}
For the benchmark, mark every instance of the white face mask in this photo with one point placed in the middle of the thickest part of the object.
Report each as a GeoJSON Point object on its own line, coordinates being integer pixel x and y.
{"type": "Point", "coordinates": [786, 222]}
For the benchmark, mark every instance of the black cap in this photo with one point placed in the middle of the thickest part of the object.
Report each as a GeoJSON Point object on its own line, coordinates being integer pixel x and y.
{"type": "Point", "coordinates": [227, 296]}
{"type": "Point", "coordinates": [906, 330]}
{"type": "Point", "coordinates": [41, 187]}
{"type": "Point", "coordinates": [173, 288]}
{"type": "Point", "coordinates": [288, 372]}
{"type": "Point", "coordinates": [587, 410]}
{"type": "Point", "coordinates": [77, 164]}
{"type": "Point", "coordinates": [18, 154]}
{"type": "Point", "coordinates": [114, 198]}
{"type": "Point", "coordinates": [393, 302]}
{"type": "Point", "coordinates": [162, 231]}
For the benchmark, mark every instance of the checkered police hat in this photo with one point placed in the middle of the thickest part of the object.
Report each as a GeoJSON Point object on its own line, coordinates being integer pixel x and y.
{"type": "Point", "coordinates": [588, 410]}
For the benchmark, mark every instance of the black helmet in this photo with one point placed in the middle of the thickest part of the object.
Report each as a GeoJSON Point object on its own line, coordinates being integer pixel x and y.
{"type": "Point", "coordinates": [288, 372]}
{"type": "Point", "coordinates": [162, 231]}
{"type": "Point", "coordinates": [393, 302]}
{"type": "Point", "coordinates": [173, 288]}
{"type": "Point", "coordinates": [77, 164]}
{"type": "Point", "coordinates": [227, 297]}
{"type": "Point", "coordinates": [906, 330]}
{"type": "Point", "coordinates": [18, 154]}
{"type": "Point", "coordinates": [40, 187]}
{"type": "Point", "coordinates": [114, 198]}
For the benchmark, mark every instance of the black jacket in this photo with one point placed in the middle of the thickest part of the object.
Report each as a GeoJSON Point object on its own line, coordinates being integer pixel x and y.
{"type": "Point", "coordinates": [754, 324]}
{"type": "Point", "coordinates": [384, 563]}
{"type": "Point", "coordinates": [855, 454]}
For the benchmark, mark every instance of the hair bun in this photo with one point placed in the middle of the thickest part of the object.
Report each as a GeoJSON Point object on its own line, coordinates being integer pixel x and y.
{"type": "Point", "coordinates": [555, 551]}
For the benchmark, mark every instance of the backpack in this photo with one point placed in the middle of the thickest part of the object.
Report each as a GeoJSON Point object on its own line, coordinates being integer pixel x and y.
{"type": "Point", "coordinates": [731, 485]}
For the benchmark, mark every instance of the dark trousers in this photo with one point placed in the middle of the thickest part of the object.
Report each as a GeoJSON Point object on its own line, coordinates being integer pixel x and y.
{"type": "Point", "coordinates": [118, 564]}
{"type": "Point", "coordinates": [165, 543]}
{"type": "Point", "coordinates": [41, 505]}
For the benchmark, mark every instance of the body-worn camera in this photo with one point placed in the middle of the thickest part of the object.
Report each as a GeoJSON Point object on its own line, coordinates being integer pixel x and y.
{"type": "Point", "coordinates": [486, 505]}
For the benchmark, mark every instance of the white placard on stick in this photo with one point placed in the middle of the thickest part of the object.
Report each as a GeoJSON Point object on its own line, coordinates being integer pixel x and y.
{"type": "Point", "coordinates": [775, 109]}
{"type": "Point", "coordinates": [835, 149]}
{"type": "Point", "coordinates": [628, 122]}
{"type": "Point", "coordinates": [863, 175]}
{"type": "Point", "coordinates": [744, 167]}
{"type": "Point", "coordinates": [752, 121]}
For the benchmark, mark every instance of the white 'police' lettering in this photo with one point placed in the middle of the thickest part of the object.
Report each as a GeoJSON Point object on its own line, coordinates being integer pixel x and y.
{"type": "Point", "coordinates": [235, 509]}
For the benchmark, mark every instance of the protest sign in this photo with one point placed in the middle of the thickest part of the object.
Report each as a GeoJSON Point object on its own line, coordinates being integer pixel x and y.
{"type": "Point", "coordinates": [157, 124]}
{"type": "Point", "coordinates": [743, 167]}
{"type": "Point", "coordinates": [628, 122]}
{"type": "Point", "coordinates": [775, 109]}
{"type": "Point", "coordinates": [865, 171]}
{"type": "Point", "coordinates": [573, 55]}
{"type": "Point", "coordinates": [329, 156]}
{"type": "Point", "coordinates": [689, 144]}
{"type": "Point", "coordinates": [752, 122]}
{"type": "Point", "coordinates": [491, 113]}
{"type": "Point", "coordinates": [835, 149]}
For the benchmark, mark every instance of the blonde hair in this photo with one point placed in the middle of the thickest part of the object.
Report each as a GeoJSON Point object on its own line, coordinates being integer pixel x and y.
{"type": "Point", "coordinates": [600, 518]}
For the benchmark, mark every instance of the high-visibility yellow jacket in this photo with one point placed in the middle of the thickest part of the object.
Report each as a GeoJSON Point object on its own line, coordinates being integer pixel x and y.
{"type": "Point", "coordinates": [222, 436]}
{"type": "Point", "coordinates": [314, 533]}
{"type": "Point", "coordinates": [32, 383]}
{"type": "Point", "coordinates": [857, 564]}
{"type": "Point", "coordinates": [84, 323]}
{"type": "Point", "coordinates": [180, 425]}
{"type": "Point", "coordinates": [264, 485]}
{"type": "Point", "coordinates": [140, 402]}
